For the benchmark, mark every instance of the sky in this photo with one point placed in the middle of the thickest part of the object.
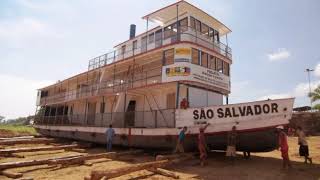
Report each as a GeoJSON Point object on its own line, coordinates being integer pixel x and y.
{"type": "Point", "coordinates": [42, 41]}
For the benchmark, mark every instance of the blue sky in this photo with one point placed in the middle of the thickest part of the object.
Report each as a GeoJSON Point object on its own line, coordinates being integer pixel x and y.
{"type": "Point", "coordinates": [273, 42]}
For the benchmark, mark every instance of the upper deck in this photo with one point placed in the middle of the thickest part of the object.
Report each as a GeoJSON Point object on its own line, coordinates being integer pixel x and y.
{"type": "Point", "coordinates": [155, 57]}
{"type": "Point", "coordinates": [194, 26]}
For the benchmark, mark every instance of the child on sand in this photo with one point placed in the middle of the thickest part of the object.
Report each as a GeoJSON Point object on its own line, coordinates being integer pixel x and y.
{"type": "Point", "coordinates": [284, 148]}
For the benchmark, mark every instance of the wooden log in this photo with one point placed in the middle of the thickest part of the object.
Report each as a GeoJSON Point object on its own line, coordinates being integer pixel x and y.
{"type": "Point", "coordinates": [78, 150]}
{"type": "Point", "coordinates": [97, 175]}
{"type": "Point", "coordinates": [11, 174]}
{"type": "Point", "coordinates": [68, 160]}
{"type": "Point", "coordinates": [152, 166]}
{"type": "Point", "coordinates": [164, 172]}
{"type": "Point", "coordinates": [33, 149]}
{"type": "Point", "coordinates": [173, 156]}
{"type": "Point", "coordinates": [18, 137]}
{"type": "Point", "coordinates": [8, 165]}
{"type": "Point", "coordinates": [81, 159]}
{"type": "Point", "coordinates": [27, 141]}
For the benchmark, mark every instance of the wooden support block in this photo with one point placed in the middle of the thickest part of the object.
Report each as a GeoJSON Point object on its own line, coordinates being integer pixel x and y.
{"type": "Point", "coordinates": [164, 172]}
{"type": "Point", "coordinates": [78, 150]}
{"type": "Point", "coordinates": [26, 141]}
{"type": "Point", "coordinates": [97, 175]}
{"type": "Point", "coordinates": [88, 163]}
{"type": "Point", "coordinates": [11, 174]}
{"type": "Point", "coordinates": [33, 149]}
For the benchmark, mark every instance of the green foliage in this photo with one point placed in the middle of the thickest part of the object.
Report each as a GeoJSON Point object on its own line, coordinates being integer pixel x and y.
{"type": "Point", "coordinates": [2, 118]}
{"type": "Point", "coordinates": [19, 129]}
{"type": "Point", "coordinates": [316, 107]}
{"type": "Point", "coordinates": [315, 95]}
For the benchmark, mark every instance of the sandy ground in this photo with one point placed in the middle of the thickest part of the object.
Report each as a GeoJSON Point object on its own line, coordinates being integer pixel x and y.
{"type": "Point", "coordinates": [260, 166]}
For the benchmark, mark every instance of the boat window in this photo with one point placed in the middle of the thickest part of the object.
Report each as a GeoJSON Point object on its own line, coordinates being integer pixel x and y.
{"type": "Point", "coordinates": [204, 30]}
{"type": "Point", "coordinates": [198, 26]}
{"type": "Point", "coordinates": [211, 33]}
{"type": "Point", "coordinates": [192, 22]}
{"type": "Point", "coordinates": [168, 56]}
{"type": "Point", "coordinates": [102, 107]}
{"type": "Point", "coordinates": [167, 32]}
{"type": "Point", "coordinates": [144, 44]}
{"type": "Point", "coordinates": [158, 38]}
{"type": "Point", "coordinates": [151, 38]}
{"type": "Point", "coordinates": [135, 45]}
{"type": "Point", "coordinates": [195, 56]}
{"type": "Point", "coordinates": [204, 59]}
{"type": "Point", "coordinates": [219, 65]}
{"type": "Point", "coordinates": [212, 62]}
{"type": "Point", "coordinates": [123, 49]}
{"type": "Point", "coordinates": [216, 36]}
{"type": "Point", "coordinates": [226, 69]}
{"type": "Point", "coordinates": [183, 25]}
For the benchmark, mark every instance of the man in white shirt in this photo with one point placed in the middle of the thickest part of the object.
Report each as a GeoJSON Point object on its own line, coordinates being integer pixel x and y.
{"type": "Point", "coordinates": [304, 149]}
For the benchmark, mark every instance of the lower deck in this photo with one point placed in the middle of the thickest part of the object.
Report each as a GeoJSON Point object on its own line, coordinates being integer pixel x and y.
{"type": "Point", "coordinates": [150, 107]}
{"type": "Point", "coordinates": [260, 140]}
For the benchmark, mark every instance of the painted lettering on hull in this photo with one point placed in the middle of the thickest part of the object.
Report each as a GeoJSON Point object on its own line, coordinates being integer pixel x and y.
{"type": "Point", "coordinates": [231, 112]}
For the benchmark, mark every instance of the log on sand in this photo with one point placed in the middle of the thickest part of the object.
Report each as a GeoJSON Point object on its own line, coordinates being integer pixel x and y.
{"type": "Point", "coordinates": [164, 172]}
{"type": "Point", "coordinates": [81, 159]}
{"type": "Point", "coordinates": [27, 141]}
{"type": "Point", "coordinates": [153, 166]}
{"type": "Point", "coordinates": [67, 160]}
{"type": "Point", "coordinates": [11, 174]}
{"type": "Point", "coordinates": [97, 175]}
{"type": "Point", "coordinates": [8, 165]}
{"type": "Point", "coordinates": [33, 149]}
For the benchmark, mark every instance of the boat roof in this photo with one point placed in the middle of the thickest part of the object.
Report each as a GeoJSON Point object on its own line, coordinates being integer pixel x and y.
{"type": "Point", "coordinates": [168, 13]}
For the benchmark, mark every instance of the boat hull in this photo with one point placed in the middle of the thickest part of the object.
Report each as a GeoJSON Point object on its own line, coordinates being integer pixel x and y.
{"type": "Point", "coordinates": [253, 140]}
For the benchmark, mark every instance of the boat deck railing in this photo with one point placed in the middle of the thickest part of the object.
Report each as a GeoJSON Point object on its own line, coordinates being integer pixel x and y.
{"type": "Point", "coordinates": [109, 86]}
{"type": "Point", "coordinates": [187, 34]}
{"type": "Point", "coordinates": [164, 118]}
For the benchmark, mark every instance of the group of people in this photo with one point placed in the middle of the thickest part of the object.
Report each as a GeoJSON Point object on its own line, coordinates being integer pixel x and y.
{"type": "Point", "coordinates": [232, 142]}
{"type": "Point", "coordinates": [202, 145]}
{"type": "Point", "coordinates": [284, 147]}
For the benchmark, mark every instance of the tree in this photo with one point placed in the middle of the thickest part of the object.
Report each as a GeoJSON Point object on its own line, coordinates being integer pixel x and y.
{"type": "Point", "coordinates": [2, 119]}
{"type": "Point", "coordinates": [316, 107]}
{"type": "Point", "coordinates": [315, 95]}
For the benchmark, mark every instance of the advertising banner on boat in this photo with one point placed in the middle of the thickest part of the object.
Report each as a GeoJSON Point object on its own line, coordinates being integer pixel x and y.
{"type": "Point", "coordinates": [192, 72]}
{"type": "Point", "coordinates": [247, 115]}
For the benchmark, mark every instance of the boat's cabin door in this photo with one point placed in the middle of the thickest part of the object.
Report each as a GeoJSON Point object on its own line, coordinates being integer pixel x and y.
{"type": "Point", "coordinates": [130, 114]}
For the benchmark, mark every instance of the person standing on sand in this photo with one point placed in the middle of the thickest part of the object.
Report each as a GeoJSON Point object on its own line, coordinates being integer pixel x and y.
{"type": "Point", "coordinates": [202, 145]}
{"type": "Point", "coordinates": [284, 148]}
{"type": "Point", "coordinates": [303, 149]}
{"type": "Point", "coordinates": [179, 147]}
{"type": "Point", "coordinates": [110, 133]}
{"type": "Point", "coordinates": [231, 144]}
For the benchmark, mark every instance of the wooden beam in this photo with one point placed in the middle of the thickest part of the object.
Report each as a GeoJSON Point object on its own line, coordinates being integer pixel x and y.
{"type": "Point", "coordinates": [27, 141]}
{"type": "Point", "coordinates": [13, 175]}
{"type": "Point", "coordinates": [8, 165]}
{"type": "Point", "coordinates": [33, 149]}
{"type": "Point", "coordinates": [67, 160]}
{"type": "Point", "coordinates": [97, 175]}
{"type": "Point", "coordinates": [164, 172]}
{"type": "Point", "coordinates": [150, 166]}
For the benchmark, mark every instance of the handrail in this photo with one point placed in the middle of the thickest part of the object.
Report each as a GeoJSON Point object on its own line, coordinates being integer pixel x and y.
{"type": "Point", "coordinates": [197, 36]}
{"type": "Point", "coordinates": [141, 119]}
{"type": "Point", "coordinates": [114, 85]}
